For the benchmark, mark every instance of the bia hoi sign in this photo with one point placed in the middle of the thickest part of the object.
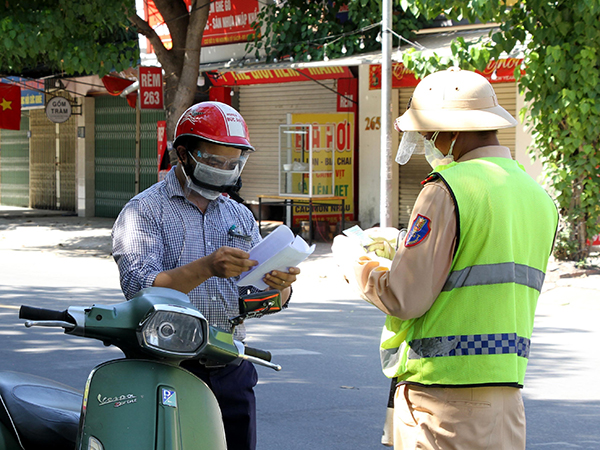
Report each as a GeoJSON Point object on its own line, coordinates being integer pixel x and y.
{"type": "Point", "coordinates": [58, 110]}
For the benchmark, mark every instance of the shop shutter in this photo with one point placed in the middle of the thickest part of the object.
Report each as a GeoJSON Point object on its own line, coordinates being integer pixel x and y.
{"type": "Point", "coordinates": [115, 153]}
{"type": "Point", "coordinates": [265, 107]}
{"type": "Point", "coordinates": [52, 161]}
{"type": "Point", "coordinates": [14, 165]}
{"type": "Point", "coordinates": [417, 169]}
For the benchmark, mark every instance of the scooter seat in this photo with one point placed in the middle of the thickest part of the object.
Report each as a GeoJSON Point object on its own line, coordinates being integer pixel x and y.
{"type": "Point", "coordinates": [42, 413]}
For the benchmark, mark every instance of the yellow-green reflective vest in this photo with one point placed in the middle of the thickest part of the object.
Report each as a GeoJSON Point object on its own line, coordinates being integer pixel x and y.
{"type": "Point", "coordinates": [478, 330]}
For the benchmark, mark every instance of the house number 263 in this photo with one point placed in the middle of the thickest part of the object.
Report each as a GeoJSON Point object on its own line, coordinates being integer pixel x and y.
{"type": "Point", "coordinates": [373, 123]}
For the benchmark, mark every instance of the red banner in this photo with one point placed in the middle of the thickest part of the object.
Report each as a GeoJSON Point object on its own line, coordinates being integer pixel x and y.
{"type": "Point", "coordinates": [228, 22]}
{"type": "Point", "coordinates": [278, 76]}
{"type": "Point", "coordinates": [347, 99]}
{"type": "Point", "coordinates": [10, 107]}
{"type": "Point", "coordinates": [501, 71]}
{"type": "Point", "coordinates": [161, 145]}
{"type": "Point", "coordinates": [151, 88]}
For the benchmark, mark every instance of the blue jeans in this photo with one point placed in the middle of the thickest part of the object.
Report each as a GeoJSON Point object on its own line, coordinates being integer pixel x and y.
{"type": "Point", "coordinates": [234, 388]}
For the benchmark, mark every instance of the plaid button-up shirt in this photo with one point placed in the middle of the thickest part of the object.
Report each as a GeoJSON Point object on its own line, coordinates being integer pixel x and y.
{"type": "Point", "coordinates": [159, 229]}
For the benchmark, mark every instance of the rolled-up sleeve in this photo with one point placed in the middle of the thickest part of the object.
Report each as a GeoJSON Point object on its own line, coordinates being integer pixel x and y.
{"type": "Point", "coordinates": [138, 248]}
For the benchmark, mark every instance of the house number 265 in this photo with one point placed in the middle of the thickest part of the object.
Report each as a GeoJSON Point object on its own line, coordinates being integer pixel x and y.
{"type": "Point", "coordinates": [373, 123]}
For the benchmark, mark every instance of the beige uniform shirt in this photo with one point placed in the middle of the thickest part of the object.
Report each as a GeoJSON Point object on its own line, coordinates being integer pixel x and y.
{"type": "Point", "coordinates": [418, 273]}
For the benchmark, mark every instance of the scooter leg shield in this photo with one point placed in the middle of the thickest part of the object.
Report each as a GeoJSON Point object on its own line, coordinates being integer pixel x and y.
{"type": "Point", "coordinates": [7, 439]}
{"type": "Point", "coordinates": [149, 405]}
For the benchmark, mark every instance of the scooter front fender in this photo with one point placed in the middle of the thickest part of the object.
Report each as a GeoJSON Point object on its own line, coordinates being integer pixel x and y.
{"type": "Point", "coordinates": [149, 405]}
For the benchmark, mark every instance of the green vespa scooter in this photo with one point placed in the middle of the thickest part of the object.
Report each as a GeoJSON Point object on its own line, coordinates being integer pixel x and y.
{"type": "Point", "coordinates": [143, 401]}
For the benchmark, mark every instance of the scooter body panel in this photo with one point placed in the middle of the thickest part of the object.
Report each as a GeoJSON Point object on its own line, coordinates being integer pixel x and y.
{"type": "Point", "coordinates": [7, 439]}
{"type": "Point", "coordinates": [149, 405]}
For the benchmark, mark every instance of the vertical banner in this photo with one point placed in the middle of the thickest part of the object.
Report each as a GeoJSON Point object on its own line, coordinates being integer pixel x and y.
{"type": "Point", "coordinates": [347, 98]}
{"type": "Point", "coordinates": [163, 155]}
{"type": "Point", "coordinates": [338, 127]}
{"type": "Point", "coordinates": [151, 88]}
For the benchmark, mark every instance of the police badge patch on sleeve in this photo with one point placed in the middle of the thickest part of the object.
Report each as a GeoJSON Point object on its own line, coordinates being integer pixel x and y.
{"type": "Point", "coordinates": [419, 230]}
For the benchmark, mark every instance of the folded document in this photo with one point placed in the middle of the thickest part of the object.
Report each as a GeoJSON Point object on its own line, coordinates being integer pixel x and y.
{"type": "Point", "coordinates": [280, 250]}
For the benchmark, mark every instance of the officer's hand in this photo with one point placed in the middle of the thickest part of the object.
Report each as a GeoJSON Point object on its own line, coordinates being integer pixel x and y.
{"type": "Point", "coordinates": [227, 262]}
{"type": "Point", "coordinates": [279, 280]}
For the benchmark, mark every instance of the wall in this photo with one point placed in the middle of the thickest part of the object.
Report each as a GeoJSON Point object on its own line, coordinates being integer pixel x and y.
{"type": "Point", "coordinates": [369, 153]}
{"type": "Point", "coordinates": [85, 177]}
{"type": "Point", "coordinates": [533, 168]}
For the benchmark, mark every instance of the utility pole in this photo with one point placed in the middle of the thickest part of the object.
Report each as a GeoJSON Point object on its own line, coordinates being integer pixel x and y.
{"type": "Point", "coordinates": [385, 219]}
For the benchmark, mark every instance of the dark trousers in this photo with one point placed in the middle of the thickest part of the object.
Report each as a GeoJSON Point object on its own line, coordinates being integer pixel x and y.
{"type": "Point", "coordinates": [234, 388]}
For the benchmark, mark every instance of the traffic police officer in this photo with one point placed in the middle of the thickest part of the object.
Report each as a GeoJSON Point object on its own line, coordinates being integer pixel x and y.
{"type": "Point", "coordinates": [461, 292]}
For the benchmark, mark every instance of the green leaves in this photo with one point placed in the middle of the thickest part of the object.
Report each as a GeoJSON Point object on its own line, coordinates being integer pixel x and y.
{"type": "Point", "coordinates": [311, 30]}
{"type": "Point", "coordinates": [68, 36]}
{"type": "Point", "coordinates": [561, 86]}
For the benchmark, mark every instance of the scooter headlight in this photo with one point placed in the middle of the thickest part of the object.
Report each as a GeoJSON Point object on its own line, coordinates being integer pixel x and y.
{"type": "Point", "coordinates": [172, 331]}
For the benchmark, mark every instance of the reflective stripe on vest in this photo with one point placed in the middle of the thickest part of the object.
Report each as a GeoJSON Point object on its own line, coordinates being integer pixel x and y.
{"type": "Point", "coordinates": [476, 344]}
{"type": "Point", "coordinates": [486, 274]}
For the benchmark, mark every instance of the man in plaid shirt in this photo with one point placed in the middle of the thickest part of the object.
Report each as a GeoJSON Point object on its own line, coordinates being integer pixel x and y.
{"type": "Point", "coordinates": [182, 233]}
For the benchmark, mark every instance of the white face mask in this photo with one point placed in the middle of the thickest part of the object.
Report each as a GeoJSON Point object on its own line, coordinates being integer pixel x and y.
{"type": "Point", "coordinates": [435, 157]}
{"type": "Point", "coordinates": [212, 176]}
{"type": "Point", "coordinates": [413, 142]}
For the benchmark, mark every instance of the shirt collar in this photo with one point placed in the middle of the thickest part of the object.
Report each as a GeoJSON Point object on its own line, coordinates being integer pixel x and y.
{"type": "Point", "coordinates": [490, 151]}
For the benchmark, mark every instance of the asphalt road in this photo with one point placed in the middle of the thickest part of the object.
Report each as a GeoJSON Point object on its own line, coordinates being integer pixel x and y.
{"type": "Point", "coordinates": [330, 394]}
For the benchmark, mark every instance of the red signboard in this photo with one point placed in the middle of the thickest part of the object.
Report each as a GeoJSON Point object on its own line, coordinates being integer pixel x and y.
{"type": "Point", "coordinates": [151, 88]}
{"type": "Point", "coordinates": [501, 71]}
{"type": "Point", "coordinates": [347, 99]}
{"type": "Point", "coordinates": [278, 75]}
{"type": "Point", "coordinates": [229, 21]}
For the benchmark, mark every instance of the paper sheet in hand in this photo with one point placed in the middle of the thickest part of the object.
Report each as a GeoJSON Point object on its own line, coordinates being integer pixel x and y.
{"type": "Point", "coordinates": [280, 250]}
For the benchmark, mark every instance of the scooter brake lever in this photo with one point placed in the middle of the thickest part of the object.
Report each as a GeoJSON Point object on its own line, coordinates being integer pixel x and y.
{"type": "Point", "coordinates": [261, 362]}
{"type": "Point", "coordinates": [49, 323]}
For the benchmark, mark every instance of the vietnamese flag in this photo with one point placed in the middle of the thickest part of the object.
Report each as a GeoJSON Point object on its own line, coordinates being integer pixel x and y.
{"type": "Point", "coordinates": [10, 107]}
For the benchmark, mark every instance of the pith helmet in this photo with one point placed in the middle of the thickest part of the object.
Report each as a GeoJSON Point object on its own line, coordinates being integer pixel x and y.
{"type": "Point", "coordinates": [454, 100]}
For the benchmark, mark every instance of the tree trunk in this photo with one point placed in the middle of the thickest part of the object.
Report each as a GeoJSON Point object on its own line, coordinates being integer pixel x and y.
{"type": "Point", "coordinates": [181, 63]}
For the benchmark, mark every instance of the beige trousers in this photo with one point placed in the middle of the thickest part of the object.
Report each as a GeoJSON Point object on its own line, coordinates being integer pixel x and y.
{"type": "Point", "coordinates": [458, 418]}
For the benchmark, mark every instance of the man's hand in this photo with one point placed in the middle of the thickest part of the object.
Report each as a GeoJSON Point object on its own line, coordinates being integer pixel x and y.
{"type": "Point", "coordinates": [279, 280]}
{"type": "Point", "coordinates": [227, 262]}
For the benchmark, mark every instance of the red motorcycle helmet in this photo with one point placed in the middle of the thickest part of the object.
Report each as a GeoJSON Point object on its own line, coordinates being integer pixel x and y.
{"type": "Point", "coordinates": [214, 122]}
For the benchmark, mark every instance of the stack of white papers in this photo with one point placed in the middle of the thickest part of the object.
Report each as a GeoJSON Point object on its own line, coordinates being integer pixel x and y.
{"type": "Point", "coordinates": [280, 250]}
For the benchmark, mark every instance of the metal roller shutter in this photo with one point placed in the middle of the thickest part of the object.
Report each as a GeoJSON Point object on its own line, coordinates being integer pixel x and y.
{"type": "Point", "coordinates": [115, 153]}
{"type": "Point", "coordinates": [52, 161]}
{"type": "Point", "coordinates": [417, 169]}
{"type": "Point", "coordinates": [265, 107]}
{"type": "Point", "coordinates": [14, 165]}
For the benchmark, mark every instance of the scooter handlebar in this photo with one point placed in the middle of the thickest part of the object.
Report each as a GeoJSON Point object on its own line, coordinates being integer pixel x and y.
{"type": "Point", "coordinates": [33, 313]}
{"type": "Point", "coordinates": [258, 353]}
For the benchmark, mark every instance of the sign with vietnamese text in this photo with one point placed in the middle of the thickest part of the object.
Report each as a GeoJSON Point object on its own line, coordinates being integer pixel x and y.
{"type": "Point", "coordinates": [279, 76]}
{"type": "Point", "coordinates": [58, 110]}
{"type": "Point", "coordinates": [32, 91]}
{"type": "Point", "coordinates": [229, 21]}
{"type": "Point", "coordinates": [337, 129]}
{"type": "Point", "coordinates": [500, 71]}
{"type": "Point", "coordinates": [151, 88]}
